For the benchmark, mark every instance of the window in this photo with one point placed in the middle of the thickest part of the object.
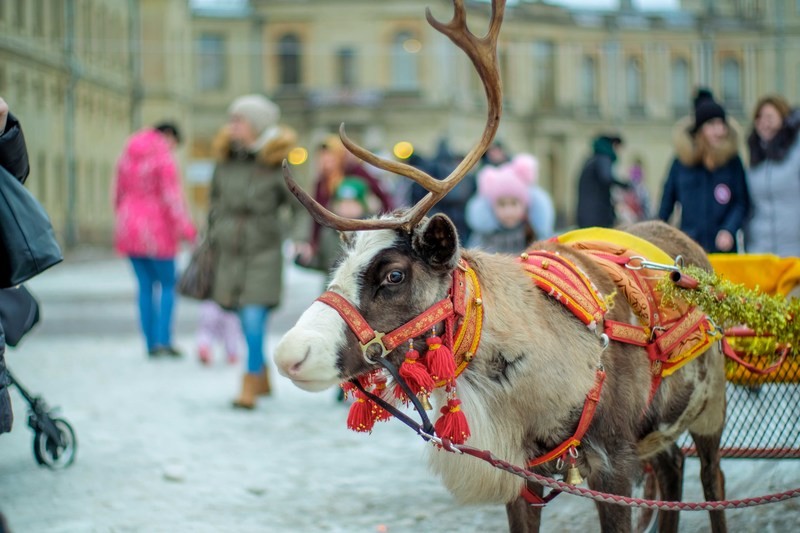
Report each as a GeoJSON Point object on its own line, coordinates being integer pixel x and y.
{"type": "Point", "coordinates": [404, 61]}
{"type": "Point", "coordinates": [680, 86]}
{"type": "Point", "coordinates": [57, 16]}
{"type": "Point", "coordinates": [39, 18]}
{"type": "Point", "coordinates": [731, 83]}
{"type": "Point", "coordinates": [211, 62]}
{"type": "Point", "coordinates": [588, 88]}
{"type": "Point", "coordinates": [346, 64]}
{"type": "Point", "coordinates": [20, 6]}
{"type": "Point", "coordinates": [86, 12]}
{"type": "Point", "coordinates": [634, 86]}
{"type": "Point", "coordinates": [289, 55]}
{"type": "Point", "coordinates": [544, 78]}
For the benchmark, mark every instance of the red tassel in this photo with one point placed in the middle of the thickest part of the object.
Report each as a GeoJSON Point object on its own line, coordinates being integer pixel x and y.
{"type": "Point", "coordinates": [415, 373]}
{"type": "Point", "coordinates": [439, 359]}
{"type": "Point", "coordinates": [453, 423]}
{"type": "Point", "coordinates": [400, 394]}
{"type": "Point", "coordinates": [362, 415]}
{"type": "Point", "coordinates": [348, 388]}
{"type": "Point", "coordinates": [379, 413]}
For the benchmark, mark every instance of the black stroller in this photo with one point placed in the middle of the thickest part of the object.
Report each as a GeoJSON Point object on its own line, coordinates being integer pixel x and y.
{"type": "Point", "coordinates": [54, 442]}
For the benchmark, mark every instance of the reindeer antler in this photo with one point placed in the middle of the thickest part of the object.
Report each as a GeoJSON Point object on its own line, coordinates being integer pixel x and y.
{"type": "Point", "coordinates": [483, 54]}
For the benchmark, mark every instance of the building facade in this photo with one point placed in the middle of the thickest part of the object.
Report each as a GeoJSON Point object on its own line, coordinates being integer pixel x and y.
{"type": "Point", "coordinates": [83, 74]}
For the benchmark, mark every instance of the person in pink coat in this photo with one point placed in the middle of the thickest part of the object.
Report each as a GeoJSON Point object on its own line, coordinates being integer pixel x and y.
{"type": "Point", "coordinates": [151, 220]}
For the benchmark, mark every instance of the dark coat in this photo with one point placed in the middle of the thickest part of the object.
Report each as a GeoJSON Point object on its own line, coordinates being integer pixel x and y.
{"type": "Point", "coordinates": [247, 222]}
{"type": "Point", "coordinates": [595, 207]}
{"type": "Point", "coordinates": [13, 158]}
{"type": "Point", "coordinates": [454, 204]}
{"type": "Point", "coordinates": [710, 185]}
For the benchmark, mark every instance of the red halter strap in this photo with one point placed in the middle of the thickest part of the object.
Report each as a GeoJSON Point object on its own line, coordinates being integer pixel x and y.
{"type": "Point", "coordinates": [367, 336]}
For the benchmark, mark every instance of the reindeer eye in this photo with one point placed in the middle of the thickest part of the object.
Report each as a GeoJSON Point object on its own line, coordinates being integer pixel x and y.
{"type": "Point", "coordinates": [394, 277]}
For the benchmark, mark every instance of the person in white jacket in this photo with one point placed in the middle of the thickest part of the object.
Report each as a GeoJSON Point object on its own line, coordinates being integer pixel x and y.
{"type": "Point", "coordinates": [774, 179]}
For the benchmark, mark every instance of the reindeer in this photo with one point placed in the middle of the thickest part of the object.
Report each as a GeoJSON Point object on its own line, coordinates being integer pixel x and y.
{"type": "Point", "coordinates": [525, 388]}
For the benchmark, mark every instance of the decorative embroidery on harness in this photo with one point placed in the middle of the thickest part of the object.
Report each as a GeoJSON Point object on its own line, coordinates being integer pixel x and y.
{"type": "Point", "coordinates": [671, 336]}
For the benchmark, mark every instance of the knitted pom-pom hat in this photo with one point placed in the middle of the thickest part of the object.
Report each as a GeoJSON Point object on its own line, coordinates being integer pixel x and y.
{"type": "Point", "coordinates": [510, 180]}
{"type": "Point", "coordinates": [261, 112]}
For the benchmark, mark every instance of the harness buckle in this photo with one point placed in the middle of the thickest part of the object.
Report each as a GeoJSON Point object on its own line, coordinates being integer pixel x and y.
{"type": "Point", "coordinates": [377, 340]}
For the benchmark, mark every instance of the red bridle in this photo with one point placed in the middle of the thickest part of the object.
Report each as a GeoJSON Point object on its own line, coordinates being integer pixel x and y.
{"type": "Point", "coordinates": [445, 309]}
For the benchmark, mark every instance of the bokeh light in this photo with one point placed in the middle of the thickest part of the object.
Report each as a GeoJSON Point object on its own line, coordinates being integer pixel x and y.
{"type": "Point", "coordinates": [298, 156]}
{"type": "Point", "coordinates": [412, 46]}
{"type": "Point", "coordinates": [403, 150]}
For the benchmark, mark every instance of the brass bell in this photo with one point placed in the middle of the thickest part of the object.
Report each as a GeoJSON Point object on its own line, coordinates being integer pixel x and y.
{"type": "Point", "coordinates": [423, 399]}
{"type": "Point", "coordinates": [573, 476]}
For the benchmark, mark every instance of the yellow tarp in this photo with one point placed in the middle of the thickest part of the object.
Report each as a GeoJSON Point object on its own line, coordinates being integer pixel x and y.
{"type": "Point", "coordinates": [769, 273]}
{"type": "Point", "coordinates": [650, 251]}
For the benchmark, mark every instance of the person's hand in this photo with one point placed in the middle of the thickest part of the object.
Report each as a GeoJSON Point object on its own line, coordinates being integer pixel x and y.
{"type": "Point", "coordinates": [724, 240]}
{"type": "Point", "coordinates": [3, 115]}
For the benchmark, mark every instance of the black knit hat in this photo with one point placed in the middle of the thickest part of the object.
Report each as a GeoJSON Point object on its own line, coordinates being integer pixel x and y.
{"type": "Point", "coordinates": [705, 109]}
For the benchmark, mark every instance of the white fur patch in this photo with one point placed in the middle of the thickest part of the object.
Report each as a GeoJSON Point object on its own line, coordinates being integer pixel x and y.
{"type": "Point", "coordinates": [307, 354]}
{"type": "Point", "coordinates": [476, 481]}
{"type": "Point", "coordinates": [366, 246]}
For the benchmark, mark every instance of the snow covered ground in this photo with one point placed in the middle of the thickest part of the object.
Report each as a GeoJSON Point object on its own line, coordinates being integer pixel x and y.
{"type": "Point", "coordinates": [161, 450]}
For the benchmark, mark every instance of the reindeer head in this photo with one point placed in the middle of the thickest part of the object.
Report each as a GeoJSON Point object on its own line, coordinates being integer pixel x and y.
{"type": "Point", "coordinates": [394, 274]}
{"type": "Point", "coordinates": [389, 277]}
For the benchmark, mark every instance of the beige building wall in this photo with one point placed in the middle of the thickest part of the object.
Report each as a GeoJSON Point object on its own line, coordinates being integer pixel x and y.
{"type": "Point", "coordinates": [64, 72]}
{"type": "Point", "coordinates": [83, 74]}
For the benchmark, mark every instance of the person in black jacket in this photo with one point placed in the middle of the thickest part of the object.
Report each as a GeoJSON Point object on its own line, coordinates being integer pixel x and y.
{"type": "Point", "coordinates": [707, 179]}
{"type": "Point", "coordinates": [595, 207]}
{"type": "Point", "coordinates": [14, 159]}
{"type": "Point", "coordinates": [454, 203]}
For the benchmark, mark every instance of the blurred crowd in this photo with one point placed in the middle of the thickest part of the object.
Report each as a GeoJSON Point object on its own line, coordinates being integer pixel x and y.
{"type": "Point", "coordinates": [499, 206]}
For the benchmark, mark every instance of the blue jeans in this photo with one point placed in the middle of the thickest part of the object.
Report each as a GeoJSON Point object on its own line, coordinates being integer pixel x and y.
{"type": "Point", "coordinates": [254, 326]}
{"type": "Point", "coordinates": [156, 279]}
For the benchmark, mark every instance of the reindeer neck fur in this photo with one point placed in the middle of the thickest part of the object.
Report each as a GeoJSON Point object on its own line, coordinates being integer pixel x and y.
{"type": "Point", "coordinates": [521, 394]}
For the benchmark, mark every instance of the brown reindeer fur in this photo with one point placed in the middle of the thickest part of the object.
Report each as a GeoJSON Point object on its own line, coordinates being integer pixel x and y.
{"type": "Point", "coordinates": [524, 391]}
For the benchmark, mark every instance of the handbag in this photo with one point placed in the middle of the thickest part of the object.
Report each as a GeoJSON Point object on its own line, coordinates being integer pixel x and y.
{"type": "Point", "coordinates": [197, 280]}
{"type": "Point", "coordinates": [27, 241]}
{"type": "Point", "coordinates": [19, 312]}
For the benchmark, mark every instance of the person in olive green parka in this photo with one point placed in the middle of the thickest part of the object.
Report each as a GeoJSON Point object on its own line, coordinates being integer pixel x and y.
{"type": "Point", "coordinates": [248, 206]}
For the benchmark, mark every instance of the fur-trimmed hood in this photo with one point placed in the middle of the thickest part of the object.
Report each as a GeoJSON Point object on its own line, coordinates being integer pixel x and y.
{"type": "Point", "coordinates": [692, 150]}
{"type": "Point", "coordinates": [271, 154]}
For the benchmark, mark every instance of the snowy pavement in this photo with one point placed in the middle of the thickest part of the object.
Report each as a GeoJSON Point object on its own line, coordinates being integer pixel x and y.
{"type": "Point", "coordinates": [161, 450]}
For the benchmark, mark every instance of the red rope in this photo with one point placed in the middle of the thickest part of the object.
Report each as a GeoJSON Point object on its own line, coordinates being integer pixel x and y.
{"type": "Point", "coordinates": [730, 353]}
{"type": "Point", "coordinates": [613, 498]}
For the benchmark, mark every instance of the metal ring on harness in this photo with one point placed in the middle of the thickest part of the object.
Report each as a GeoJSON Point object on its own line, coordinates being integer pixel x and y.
{"type": "Point", "coordinates": [644, 263]}
{"type": "Point", "coordinates": [377, 340]}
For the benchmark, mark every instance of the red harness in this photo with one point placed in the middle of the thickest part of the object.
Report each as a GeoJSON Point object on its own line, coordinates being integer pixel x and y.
{"type": "Point", "coordinates": [447, 310]}
{"type": "Point", "coordinates": [564, 281]}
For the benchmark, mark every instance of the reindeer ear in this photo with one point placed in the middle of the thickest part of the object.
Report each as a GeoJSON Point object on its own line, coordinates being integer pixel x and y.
{"type": "Point", "coordinates": [436, 241]}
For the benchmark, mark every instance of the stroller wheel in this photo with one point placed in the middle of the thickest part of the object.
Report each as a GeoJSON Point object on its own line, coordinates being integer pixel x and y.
{"type": "Point", "coordinates": [49, 453]}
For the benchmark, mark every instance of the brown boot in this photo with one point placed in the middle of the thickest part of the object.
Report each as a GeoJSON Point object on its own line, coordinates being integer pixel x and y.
{"type": "Point", "coordinates": [247, 398]}
{"type": "Point", "coordinates": [263, 387]}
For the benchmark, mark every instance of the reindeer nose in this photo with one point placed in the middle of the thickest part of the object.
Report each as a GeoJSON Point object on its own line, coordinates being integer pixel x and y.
{"type": "Point", "coordinates": [293, 353]}
{"type": "Point", "coordinates": [295, 368]}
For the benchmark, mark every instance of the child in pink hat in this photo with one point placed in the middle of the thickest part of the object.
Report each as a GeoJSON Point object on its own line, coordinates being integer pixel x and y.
{"type": "Point", "coordinates": [500, 214]}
